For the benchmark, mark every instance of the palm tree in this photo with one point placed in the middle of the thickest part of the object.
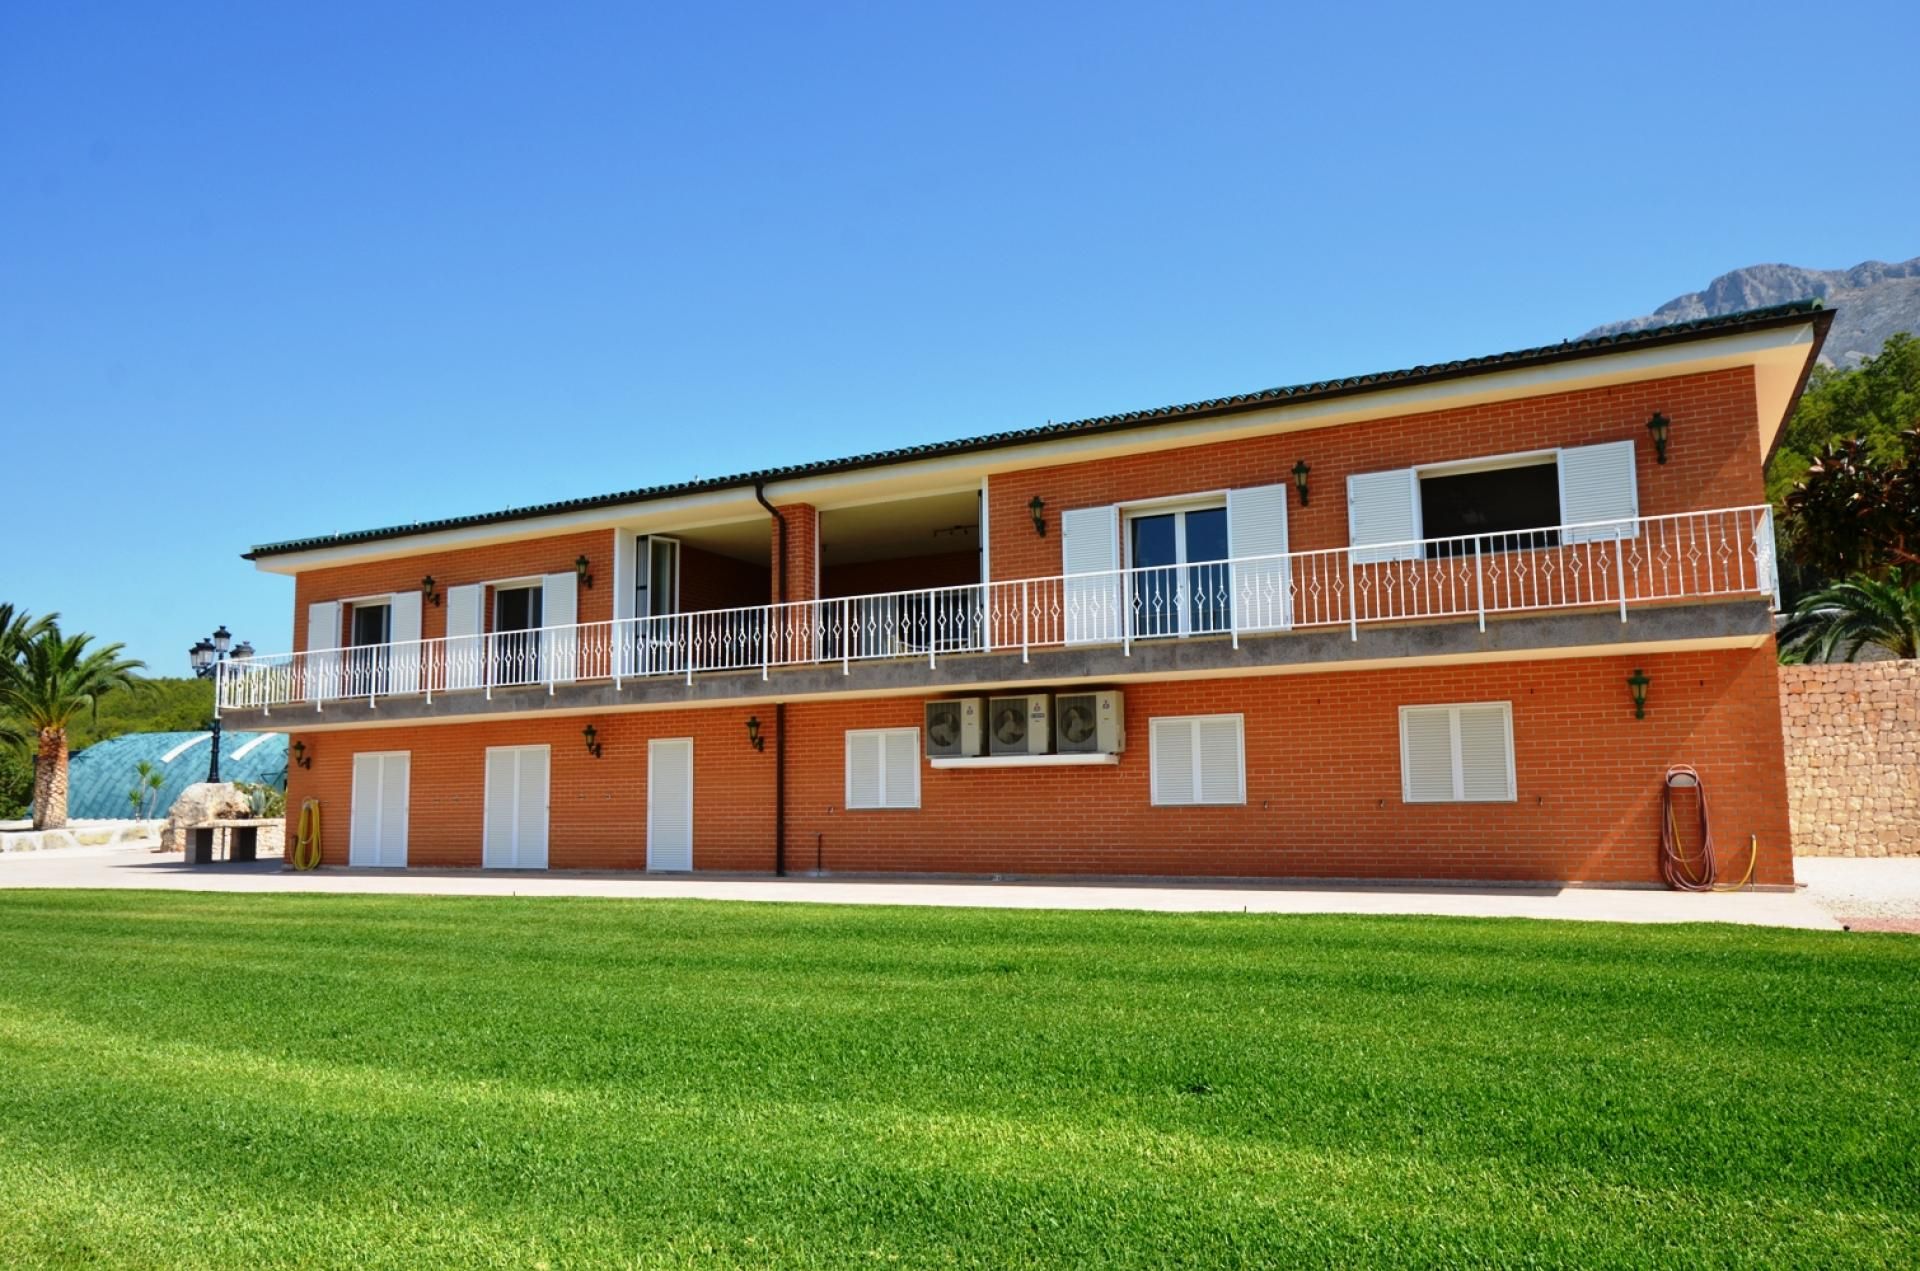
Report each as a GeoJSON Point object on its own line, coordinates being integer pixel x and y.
{"type": "Point", "coordinates": [50, 679]}
{"type": "Point", "coordinates": [17, 627]}
{"type": "Point", "coordinates": [1852, 614]}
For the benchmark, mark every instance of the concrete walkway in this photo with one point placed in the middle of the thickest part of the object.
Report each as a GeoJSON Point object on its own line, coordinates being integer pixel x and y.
{"type": "Point", "coordinates": [109, 868]}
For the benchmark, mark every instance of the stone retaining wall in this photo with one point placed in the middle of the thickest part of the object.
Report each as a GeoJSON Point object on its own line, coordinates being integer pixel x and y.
{"type": "Point", "coordinates": [83, 834]}
{"type": "Point", "coordinates": [1853, 757]}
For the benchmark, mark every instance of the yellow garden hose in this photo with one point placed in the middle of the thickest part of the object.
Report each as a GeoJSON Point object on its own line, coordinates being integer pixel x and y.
{"type": "Point", "coordinates": [306, 838]}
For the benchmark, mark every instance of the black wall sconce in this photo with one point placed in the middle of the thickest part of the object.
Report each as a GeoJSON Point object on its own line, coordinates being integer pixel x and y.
{"type": "Point", "coordinates": [1658, 426]}
{"type": "Point", "coordinates": [580, 571]}
{"type": "Point", "coordinates": [427, 591]}
{"type": "Point", "coordinates": [1637, 684]}
{"type": "Point", "coordinates": [300, 755]}
{"type": "Point", "coordinates": [754, 738]}
{"type": "Point", "coordinates": [593, 740]}
{"type": "Point", "coordinates": [1300, 471]}
{"type": "Point", "coordinates": [1038, 507]}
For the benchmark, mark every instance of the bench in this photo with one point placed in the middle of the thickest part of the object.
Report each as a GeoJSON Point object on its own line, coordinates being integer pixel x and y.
{"type": "Point", "coordinates": [242, 839]}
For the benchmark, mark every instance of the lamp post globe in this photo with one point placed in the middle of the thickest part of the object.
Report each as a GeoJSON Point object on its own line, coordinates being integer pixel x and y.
{"type": "Point", "coordinates": [206, 657]}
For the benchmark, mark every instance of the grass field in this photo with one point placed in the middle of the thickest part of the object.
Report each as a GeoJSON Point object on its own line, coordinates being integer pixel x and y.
{"type": "Point", "coordinates": [244, 1080]}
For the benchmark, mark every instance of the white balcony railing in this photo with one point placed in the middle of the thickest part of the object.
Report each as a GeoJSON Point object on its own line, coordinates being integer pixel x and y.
{"type": "Point", "coordinates": [1611, 564]}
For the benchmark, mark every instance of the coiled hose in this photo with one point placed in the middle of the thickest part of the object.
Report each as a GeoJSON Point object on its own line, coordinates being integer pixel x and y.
{"type": "Point", "coordinates": [306, 837]}
{"type": "Point", "coordinates": [1698, 871]}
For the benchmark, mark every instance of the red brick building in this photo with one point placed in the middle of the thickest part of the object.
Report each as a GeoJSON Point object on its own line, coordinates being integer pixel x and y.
{"type": "Point", "coordinates": [1384, 627]}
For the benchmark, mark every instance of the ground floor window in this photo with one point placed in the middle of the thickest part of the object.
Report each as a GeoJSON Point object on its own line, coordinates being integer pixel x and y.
{"type": "Point", "coordinates": [1197, 759]}
{"type": "Point", "coordinates": [883, 768]}
{"type": "Point", "coordinates": [1457, 754]}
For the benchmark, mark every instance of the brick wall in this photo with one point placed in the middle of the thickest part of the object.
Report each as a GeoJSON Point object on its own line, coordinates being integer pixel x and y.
{"type": "Point", "coordinates": [1323, 782]}
{"type": "Point", "coordinates": [1853, 757]}
{"type": "Point", "coordinates": [1713, 460]}
{"type": "Point", "coordinates": [597, 807]}
{"type": "Point", "coordinates": [527, 557]}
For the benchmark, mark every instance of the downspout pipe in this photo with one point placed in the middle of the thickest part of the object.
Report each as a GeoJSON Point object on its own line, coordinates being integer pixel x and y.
{"type": "Point", "coordinates": [779, 708]}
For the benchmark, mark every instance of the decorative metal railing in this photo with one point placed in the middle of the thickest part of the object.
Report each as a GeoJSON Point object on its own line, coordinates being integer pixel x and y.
{"type": "Point", "coordinates": [1605, 564]}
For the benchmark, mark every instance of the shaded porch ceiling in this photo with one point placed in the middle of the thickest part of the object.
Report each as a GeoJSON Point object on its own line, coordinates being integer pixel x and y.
{"type": "Point", "coordinates": [934, 525]}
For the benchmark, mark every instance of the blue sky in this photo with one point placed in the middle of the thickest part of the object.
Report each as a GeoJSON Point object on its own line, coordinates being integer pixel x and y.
{"type": "Point", "coordinates": [273, 270]}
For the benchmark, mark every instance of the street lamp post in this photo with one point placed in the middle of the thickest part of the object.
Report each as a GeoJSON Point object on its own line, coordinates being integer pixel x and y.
{"type": "Point", "coordinates": [207, 656]}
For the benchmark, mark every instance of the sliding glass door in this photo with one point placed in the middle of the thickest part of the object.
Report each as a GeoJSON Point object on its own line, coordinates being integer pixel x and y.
{"type": "Point", "coordinates": [1180, 580]}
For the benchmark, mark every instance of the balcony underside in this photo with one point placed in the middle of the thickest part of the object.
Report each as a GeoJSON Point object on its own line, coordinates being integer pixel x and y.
{"type": "Point", "coordinates": [1726, 623]}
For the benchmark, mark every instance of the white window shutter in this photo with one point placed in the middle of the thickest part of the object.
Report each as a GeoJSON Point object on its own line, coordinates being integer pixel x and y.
{"type": "Point", "coordinates": [1426, 754]}
{"type": "Point", "coordinates": [1090, 545]}
{"type": "Point", "coordinates": [864, 757]}
{"type": "Point", "coordinates": [1383, 507]}
{"type": "Point", "coordinates": [1197, 759]}
{"type": "Point", "coordinates": [1170, 743]}
{"type": "Point", "coordinates": [560, 641]}
{"type": "Point", "coordinates": [1599, 484]}
{"type": "Point", "coordinates": [1257, 527]}
{"type": "Point", "coordinates": [1457, 754]}
{"type": "Point", "coordinates": [1223, 774]}
{"type": "Point", "coordinates": [465, 664]}
{"type": "Point", "coordinates": [1486, 754]}
{"type": "Point", "coordinates": [403, 614]}
{"type": "Point", "coordinates": [901, 768]}
{"type": "Point", "coordinates": [323, 643]}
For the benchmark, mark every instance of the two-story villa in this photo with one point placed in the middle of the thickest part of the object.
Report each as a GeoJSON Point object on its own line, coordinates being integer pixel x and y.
{"type": "Point", "coordinates": [1452, 622]}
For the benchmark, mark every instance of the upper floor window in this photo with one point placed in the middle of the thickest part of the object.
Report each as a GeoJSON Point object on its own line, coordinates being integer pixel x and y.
{"type": "Point", "coordinates": [1578, 494]}
{"type": "Point", "coordinates": [1505, 507]}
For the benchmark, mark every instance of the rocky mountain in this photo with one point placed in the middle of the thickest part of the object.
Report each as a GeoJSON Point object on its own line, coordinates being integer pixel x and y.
{"type": "Point", "coordinates": [1874, 300]}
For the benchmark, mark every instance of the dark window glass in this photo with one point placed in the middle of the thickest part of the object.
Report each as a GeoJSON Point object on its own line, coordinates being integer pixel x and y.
{"type": "Point", "coordinates": [1209, 589]}
{"type": "Point", "coordinates": [1506, 509]}
{"type": "Point", "coordinates": [516, 641]}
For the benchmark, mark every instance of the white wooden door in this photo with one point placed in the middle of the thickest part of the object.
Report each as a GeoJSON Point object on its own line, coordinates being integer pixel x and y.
{"type": "Point", "coordinates": [515, 834]}
{"type": "Point", "coordinates": [377, 833]}
{"type": "Point", "coordinates": [670, 803]}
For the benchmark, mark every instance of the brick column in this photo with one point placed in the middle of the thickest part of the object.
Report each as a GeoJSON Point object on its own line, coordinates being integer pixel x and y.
{"type": "Point", "coordinates": [803, 537]}
{"type": "Point", "coordinates": [793, 635]}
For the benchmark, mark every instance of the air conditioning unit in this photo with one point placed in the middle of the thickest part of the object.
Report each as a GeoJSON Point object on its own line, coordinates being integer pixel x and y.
{"type": "Point", "coordinates": [1019, 725]}
{"type": "Point", "coordinates": [1090, 723]}
{"type": "Point", "coordinates": [954, 728]}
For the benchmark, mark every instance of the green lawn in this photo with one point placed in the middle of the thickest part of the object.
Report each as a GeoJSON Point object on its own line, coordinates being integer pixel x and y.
{"type": "Point", "coordinates": [239, 1080]}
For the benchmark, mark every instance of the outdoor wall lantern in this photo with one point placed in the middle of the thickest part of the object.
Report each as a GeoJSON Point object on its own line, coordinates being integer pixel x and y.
{"type": "Point", "coordinates": [593, 740]}
{"type": "Point", "coordinates": [1300, 471]}
{"type": "Point", "coordinates": [431, 596]}
{"type": "Point", "coordinates": [1038, 506]}
{"type": "Point", "coordinates": [1637, 683]}
{"type": "Point", "coordinates": [754, 738]}
{"type": "Point", "coordinates": [1658, 426]}
{"type": "Point", "coordinates": [300, 755]}
{"type": "Point", "coordinates": [580, 570]}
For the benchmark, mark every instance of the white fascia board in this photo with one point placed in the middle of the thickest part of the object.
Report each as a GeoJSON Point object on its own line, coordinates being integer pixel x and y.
{"type": "Point", "coordinates": [1778, 354]}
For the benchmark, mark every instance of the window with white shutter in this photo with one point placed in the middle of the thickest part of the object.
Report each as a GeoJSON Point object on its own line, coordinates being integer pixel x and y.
{"type": "Point", "coordinates": [1599, 492]}
{"type": "Point", "coordinates": [1383, 508]}
{"type": "Point", "coordinates": [1089, 557]}
{"type": "Point", "coordinates": [883, 768]}
{"type": "Point", "coordinates": [1457, 754]}
{"type": "Point", "coordinates": [1197, 759]}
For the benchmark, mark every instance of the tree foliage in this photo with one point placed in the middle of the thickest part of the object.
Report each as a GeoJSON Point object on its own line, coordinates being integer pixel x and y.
{"type": "Point", "coordinates": [1845, 480]}
{"type": "Point", "coordinates": [51, 680]}
{"type": "Point", "coordinates": [1856, 514]}
{"type": "Point", "coordinates": [1874, 402]}
{"type": "Point", "coordinates": [1835, 623]}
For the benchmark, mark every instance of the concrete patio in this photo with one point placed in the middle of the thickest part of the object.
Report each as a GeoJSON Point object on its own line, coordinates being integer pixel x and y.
{"type": "Point", "coordinates": [121, 868]}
